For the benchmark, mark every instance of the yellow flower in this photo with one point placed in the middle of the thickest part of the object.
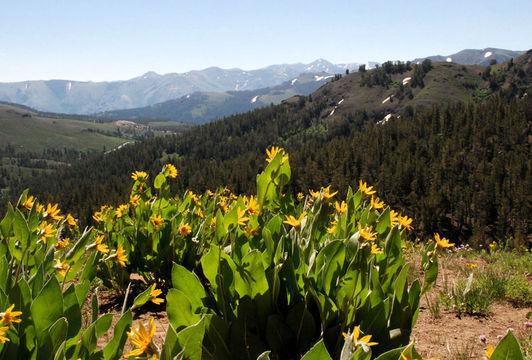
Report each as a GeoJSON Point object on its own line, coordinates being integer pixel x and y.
{"type": "Point", "coordinates": [193, 196]}
{"type": "Point", "coordinates": [394, 217]}
{"type": "Point", "coordinates": [172, 170]}
{"type": "Point", "coordinates": [121, 210]}
{"type": "Point", "coordinates": [368, 190]}
{"type": "Point", "coordinates": [376, 250]}
{"type": "Point", "coordinates": [209, 193]}
{"type": "Point", "coordinates": [405, 222]}
{"type": "Point", "coordinates": [62, 243]}
{"type": "Point", "coordinates": [141, 338]}
{"type": "Point", "coordinates": [98, 216]}
{"type": "Point", "coordinates": [139, 175]}
{"type": "Point", "coordinates": [213, 222]}
{"type": "Point", "coordinates": [99, 246]}
{"type": "Point", "coordinates": [200, 213]}
{"type": "Point", "coordinates": [488, 352]}
{"type": "Point", "coordinates": [376, 203]}
{"type": "Point", "coordinates": [241, 220]}
{"type": "Point", "coordinates": [340, 208]}
{"type": "Point", "coordinates": [134, 200]}
{"type": "Point", "coordinates": [250, 230]}
{"type": "Point", "coordinates": [53, 212]}
{"type": "Point", "coordinates": [3, 330]}
{"type": "Point", "coordinates": [28, 203]}
{"type": "Point", "coordinates": [62, 267]}
{"type": "Point", "coordinates": [120, 256]}
{"type": "Point", "coordinates": [290, 220]}
{"type": "Point", "coordinates": [252, 205]}
{"type": "Point", "coordinates": [185, 229]}
{"type": "Point", "coordinates": [314, 194]}
{"type": "Point", "coordinates": [300, 195]}
{"type": "Point", "coordinates": [46, 231]}
{"type": "Point", "coordinates": [273, 151]}
{"type": "Point", "coordinates": [153, 295]}
{"type": "Point", "coordinates": [326, 192]}
{"type": "Point", "coordinates": [366, 232]}
{"type": "Point", "coordinates": [442, 243]}
{"type": "Point", "coordinates": [156, 220]}
{"type": "Point", "coordinates": [9, 316]}
{"type": "Point", "coordinates": [366, 340]}
{"type": "Point", "coordinates": [39, 208]}
{"type": "Point", "coordinates": [331, 230]}
{"type": "Point", "coordinates": [70, 220]}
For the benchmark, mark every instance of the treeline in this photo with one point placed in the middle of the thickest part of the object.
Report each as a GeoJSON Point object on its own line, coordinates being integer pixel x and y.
{"type": "Point", "coordinates": [461, 169]}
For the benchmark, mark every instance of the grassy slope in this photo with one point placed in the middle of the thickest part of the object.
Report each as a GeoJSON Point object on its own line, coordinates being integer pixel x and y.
{"type": "Point", "coordinates": [36, 133]}
{"type": "Point", "coordinates": [446, 82]}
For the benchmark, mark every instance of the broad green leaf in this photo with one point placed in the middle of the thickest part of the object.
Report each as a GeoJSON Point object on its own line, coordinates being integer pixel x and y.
{"type": "Point", "coordinates": [114, 348]}
{"type": "Point", "coordinates": [159, 181]}
{"type": "Point", "coordinates": [4, 271]}
{"type": "Point", "coordinates": [188, 282]}
{"type": "Point", "coordinates": [58, 333]}
{"type": "Point", "coordinates": [171, 346]}
{"type": "Point", "coordinates": [317, 352]}
{"type": "Point", "coordinates": [78, 249]}
{"type": "Point", "coordinates": [21, 230]}
{"type": "Point", "coordinates": [47, 306]}
{"type": "Point", "coordinates": [179, 310]}
{"type": "Point", "coordinates": [384, 222]}
{"type": "Point", "coordinates": [507, 349]}
{"type": "Point", "coordinates": [72, 310]}
{"type": "Point", "coordinates": [6, 225]}
{"type": "Point", "coordinates": [264, 356]}
{"type": "Point", "coordinates": [142, 298]}
{"type": "Point", "coordinates": [250, 278]}
{"type": "Point", "coordinates": [190, 339]}
{"type": "Point", "coordinates": [94, 305]}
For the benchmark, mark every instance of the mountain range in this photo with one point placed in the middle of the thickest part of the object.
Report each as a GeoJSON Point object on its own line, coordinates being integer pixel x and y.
{"type": "Point", "coordinates": [80, 97]}
{"type": "Point", "coordinates": [201, 107]}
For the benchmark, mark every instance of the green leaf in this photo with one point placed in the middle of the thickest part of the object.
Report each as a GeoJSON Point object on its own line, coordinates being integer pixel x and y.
{"type": "Point", "coordinates": [394, 354]}
{"type": "Point", "coordinates": [114, 348]}
{"type": "Point", "coordinates": [508, 349]}
{"type": "Point", "coordinates": [72, 310]}
{"type": "Point", "coordinates": [190, 339]}
{"type": "Point", "coordinates": [94, 305]}
{"type": "Point", "coordinates": [171, 346]}
{"type": "Point", "coordinates": [384, 222]}
{"type": "Point", "coordinates": [188, 282]}
{"type": "Point", "coordinates": [179, 310]}
{"type": "Point", "coordinates": [47, 306]}
{"type": "Point", "coordinates": [159, 181]}
{"type": "Point", "coordinates": [58, 333]}
{"type": "Point", "coordinates": [94, 331]}
{"type": "Point", "coordinates": [21, 230]}
{"type": "Point", "coordinates": [4, 271]}
{"type": "Point", "coordinates": [264, 356]}
{"type": "Point", "coordinates": [7, 222]}
{"type": "Point", "coordinates": [317, 352]}
{"type": "Point", "coordinates": [142, 298]}
{"type": "Point", "coordinates": [250, 278]}
{"type": "Point", "coordinates": [78, 249]}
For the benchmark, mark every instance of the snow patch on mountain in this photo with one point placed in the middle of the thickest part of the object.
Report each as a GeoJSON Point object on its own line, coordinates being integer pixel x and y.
{"type": "Point", "coordinates": [294, 81]}
{"type": "Point", "coordinates": [449, 59]}
{"type": "Point", "coordinates": [254, 99]}
{"type": "Point", "coordinates": [488, 54]}
{"type": "Point", "coordinates": [341, 101]}
{"type": "Point", "coordinates": [386, 100]}
{"type": "Point", "coordinates": [406, 80]}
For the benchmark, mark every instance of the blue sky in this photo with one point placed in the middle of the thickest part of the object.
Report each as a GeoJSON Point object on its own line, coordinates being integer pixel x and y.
{"type": "Point", "coordinates": [111, 40]}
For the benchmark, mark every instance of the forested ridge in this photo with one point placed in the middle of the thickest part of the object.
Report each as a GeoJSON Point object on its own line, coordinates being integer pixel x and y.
{"type": "Point", "coordinates": [462, 169]}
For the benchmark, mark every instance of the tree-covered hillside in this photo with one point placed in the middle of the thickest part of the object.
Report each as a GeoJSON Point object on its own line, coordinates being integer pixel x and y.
{"type": "Point", "coordinates": [463, 168]}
